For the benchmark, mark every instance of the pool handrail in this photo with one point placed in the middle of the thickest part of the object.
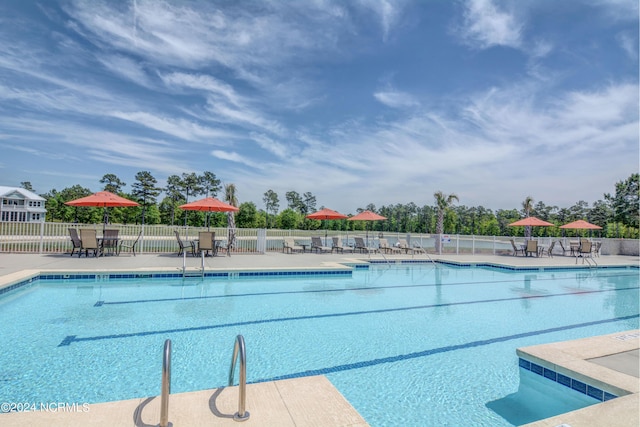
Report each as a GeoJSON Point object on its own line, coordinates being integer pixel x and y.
{"type": "Point", "coordinates": [166, 384]}
{"type": "Point", "coordinates": [239, 351]}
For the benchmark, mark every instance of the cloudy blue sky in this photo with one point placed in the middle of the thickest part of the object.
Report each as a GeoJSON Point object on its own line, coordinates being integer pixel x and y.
{"type": "Point", "coordinates": [355, 101]}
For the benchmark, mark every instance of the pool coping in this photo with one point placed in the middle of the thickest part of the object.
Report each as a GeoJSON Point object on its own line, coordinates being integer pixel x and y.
{"type": "Point", "coordinates": [343, 266]}
{"type": "Point", "coordinates": [571, 359]}
{"type": "Point", "coordinates": [300, 402]}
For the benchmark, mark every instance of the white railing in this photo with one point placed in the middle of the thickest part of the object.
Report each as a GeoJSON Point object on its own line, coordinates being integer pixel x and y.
{"type": "Point", "coordinates": [25, 237]}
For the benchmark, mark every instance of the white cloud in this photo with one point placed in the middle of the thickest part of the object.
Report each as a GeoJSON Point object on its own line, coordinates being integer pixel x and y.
{"type": "Point", "coordinates": [629, 44]}
{"type": "Point", "coordinates": [180, 128]}
{"type": "Point", "coordinates": [485, 25]}
{"type": "Point", "coordinates": [396, 99]}
{"type": "Point", "coordinates": [235, 157]}
{"type": "Point", "coordinates": [387, 11]}
{"type": "Point", "coordinates": [202, 82]}
{"type": "Point", "coordinates": [270, 145]}
{"type": "Point", "coordinates": [127, 68]}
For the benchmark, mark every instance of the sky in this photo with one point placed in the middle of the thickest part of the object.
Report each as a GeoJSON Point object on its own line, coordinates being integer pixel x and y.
{"type": "Point", "coordinates": [357, 101]}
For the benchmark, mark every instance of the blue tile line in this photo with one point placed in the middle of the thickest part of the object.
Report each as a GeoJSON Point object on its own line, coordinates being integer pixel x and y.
{"type": "Point", "coordinates": [365, 288]}
{"type": "Point", "coordinates": [67, 341]}
{"type": "Point", "coordinates": [562, 379]}
{"type": "Point", "coordinates": [403, 357]}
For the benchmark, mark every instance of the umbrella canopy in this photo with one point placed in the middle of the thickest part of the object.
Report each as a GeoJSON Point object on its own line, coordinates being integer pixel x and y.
{"type": "Point", "coordinates": [581, 225]}
{"type": "Point", "coordinates": [104, 199]}
{"type": "Point", "coordinates": [326, 214]}
{"type": "Point", "coordinates": [210, 204]}
{"type": "Point", "coordinates": [531, 221]}
{"type": "Point", "coordinates": [367, 216]}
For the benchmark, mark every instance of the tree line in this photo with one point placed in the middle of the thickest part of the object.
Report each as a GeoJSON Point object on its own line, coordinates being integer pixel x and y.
{"type": "Point", "coordinates": [617, 212]}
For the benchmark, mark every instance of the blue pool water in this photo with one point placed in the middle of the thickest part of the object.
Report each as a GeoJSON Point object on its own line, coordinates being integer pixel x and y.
{"type": "Point", "coordinates": [414, 345]}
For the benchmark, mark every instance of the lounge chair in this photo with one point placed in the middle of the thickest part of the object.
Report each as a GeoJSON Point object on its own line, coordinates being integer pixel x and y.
{"type": "Point", "coordinates": [338, 247]}
{"type": "Point", "coordinates": [316, 245]}
{"type": "Point", "coordinates": [110, 241]}
{"type": "Point", "coordinates": [405, 246]}
{"type": "Point", "coordinates": [362, 247]}
{"type": "Point", "coordinates": [532, 248]}
{"type": "Point", "coordinates": [418, 249]}
{"type": "Point", "coordinates": [89, 242]}
{"type": "Point", "coordinates": [131, 245]}
{"type": "Point", "coordinates": [181, 244]}
{"type": "Point", "coordinates": [206, 242]}
{"type": "Point", "coordinates": [384, 246]}
{"type": "Point", "coordinates": [77, 243]}
{"type": "Point", "coordinates": [516, 250]}
{"type": "Point", "coordinates": [289, 246]}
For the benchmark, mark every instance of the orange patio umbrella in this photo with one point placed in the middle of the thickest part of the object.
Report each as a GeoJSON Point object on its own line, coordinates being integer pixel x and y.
{"type": "Point", "coordinates": [530, 221]}
{"type": "Point", "coordinates": [326, 214]}
{"type": "Point", "coordinates": [581, 225]}
{"type": "Point", "coordinates": [104, 199]}
{"type": "Point", "coordinates": [209, 204]}
{"type": "Point", "coordinates": [367, 216]}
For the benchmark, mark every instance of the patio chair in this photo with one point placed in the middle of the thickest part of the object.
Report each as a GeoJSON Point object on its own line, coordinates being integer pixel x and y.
{"type": "Point", "coordinates": [109, 241]}
{"type": "Point", "coordinates": [205, 242]}
{"type": "Point", "coordinates": [222, 245]}
{"type": "Point", "coordinates": [339, 247]}
{"type": "Point", "coordinates": [595, 248]}
{"type": "Point", "coordinates": [75, 240]}
{"type": "Point", "coordinates": [316, 245]}
{"type": "Point", "coordinates": [181, 244]}
{"type": "Point", "coordinates": [289, 246]}
{"type": "Point", "coordinates": [384, 246]}
{"type": "Point", "coordinates": [549, 250]}
{"type": "Point", "coordinates": [574, 247]}
{"type": "Point", "coordinates": [564, 251]}
{"type": "Point", "coordinates": [131, 245]}
{"type": "Point", "coordinates": [362, 247]}
{"type": "Point", "coordinates": [584, 251]}
{"type": "Point", "coordinates": [516, 250]}
{"type": "Point", "coordinates": [532, 248]}
{"type": "Point", "coordinates": [89, 242]}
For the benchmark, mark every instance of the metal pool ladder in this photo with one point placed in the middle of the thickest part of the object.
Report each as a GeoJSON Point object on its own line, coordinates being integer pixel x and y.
{"type": "Point", "coordinates": [186, 273]}
{"type": "Point", "coordinates": [166, 385]}
{"type": "Point", "coordinates": [239, 351]}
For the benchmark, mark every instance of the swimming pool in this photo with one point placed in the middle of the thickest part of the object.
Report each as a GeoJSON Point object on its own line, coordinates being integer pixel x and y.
{"type": "Point", "coordinates": [413, 345]}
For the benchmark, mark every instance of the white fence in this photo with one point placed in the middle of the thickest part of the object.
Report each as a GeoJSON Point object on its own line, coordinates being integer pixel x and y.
{"type": "Point", "coordinates": [17, 237]}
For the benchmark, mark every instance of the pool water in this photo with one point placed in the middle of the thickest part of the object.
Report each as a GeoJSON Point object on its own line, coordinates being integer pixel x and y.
{"type": "Point", "coordinates": [417, 345]}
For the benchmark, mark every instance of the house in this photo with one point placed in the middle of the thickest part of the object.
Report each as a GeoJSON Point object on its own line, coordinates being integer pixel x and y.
{"type": "Point", "coordinates": [20, 205]}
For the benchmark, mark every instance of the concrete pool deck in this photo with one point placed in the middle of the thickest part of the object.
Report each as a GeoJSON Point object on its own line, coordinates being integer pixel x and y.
{"type": "Point", "coordinates": [310, 401]}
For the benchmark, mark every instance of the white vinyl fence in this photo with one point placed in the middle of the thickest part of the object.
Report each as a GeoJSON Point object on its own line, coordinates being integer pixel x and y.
{"type": "Point", "coordinates": [18, 237]}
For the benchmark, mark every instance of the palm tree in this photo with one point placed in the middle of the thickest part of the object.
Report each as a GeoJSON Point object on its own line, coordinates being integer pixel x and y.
{"type": "Point", "coordinates": [230, 197]}
{"type": "Point", "coordinates": [527, 206]}
{"type": "Point", "coordinates": [443, 203]}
